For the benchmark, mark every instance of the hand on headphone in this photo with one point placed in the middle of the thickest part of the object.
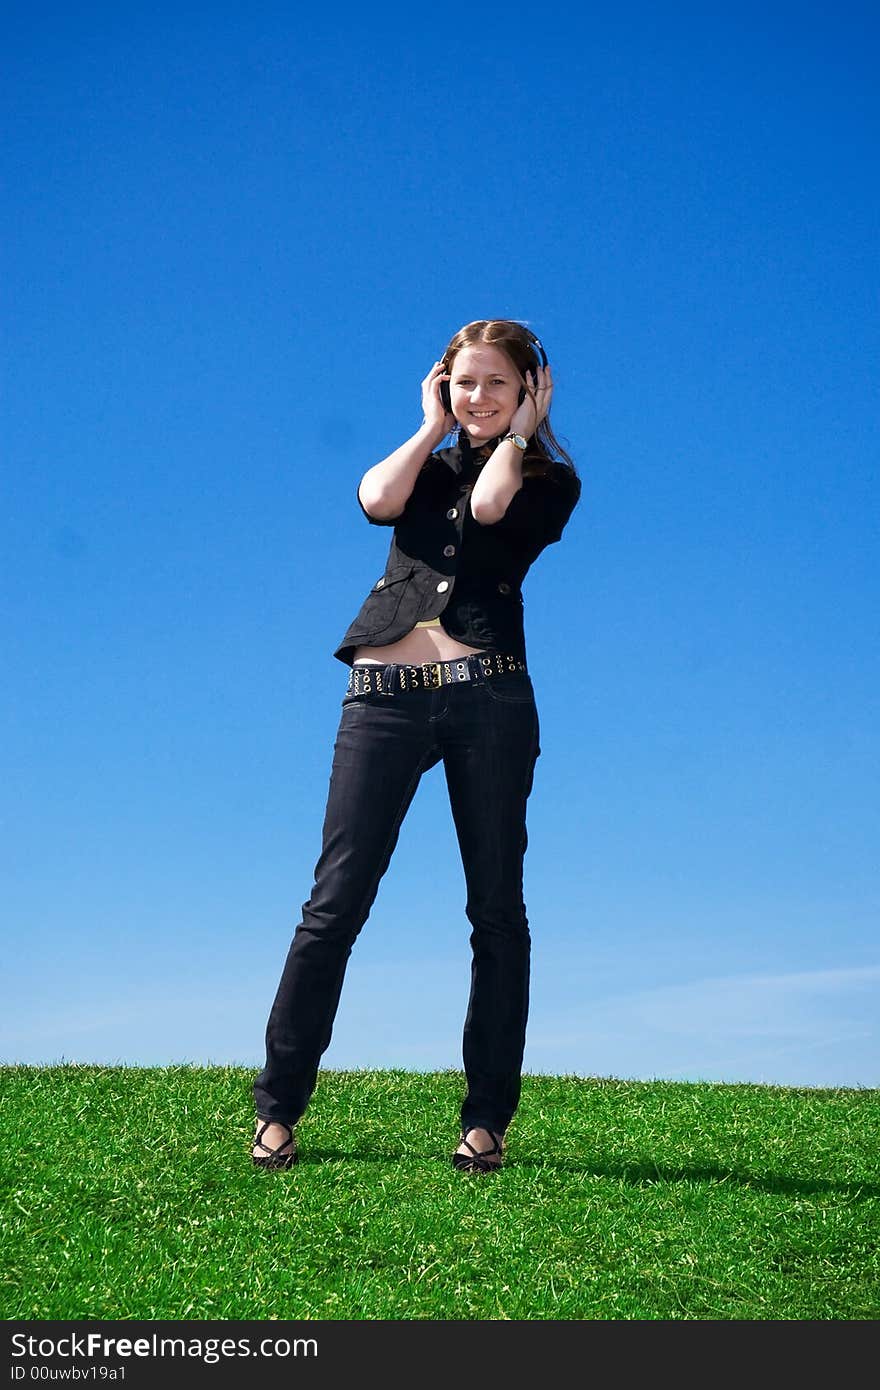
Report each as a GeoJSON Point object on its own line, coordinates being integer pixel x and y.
{"type": "Point", "coordinates": [528, 416]}
{"type": "Point", "coordinates": [435, 412]}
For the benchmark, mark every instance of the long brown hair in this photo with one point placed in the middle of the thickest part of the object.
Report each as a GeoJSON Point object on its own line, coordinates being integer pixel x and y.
{"type": "Point", "coordinates": [518, 343]}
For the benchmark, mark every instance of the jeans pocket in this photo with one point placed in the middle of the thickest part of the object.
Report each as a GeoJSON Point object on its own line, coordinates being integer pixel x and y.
{"type": "Point", "coordinates": [513, 688]}
{"type": "Point", "coordinates": [369, 698]}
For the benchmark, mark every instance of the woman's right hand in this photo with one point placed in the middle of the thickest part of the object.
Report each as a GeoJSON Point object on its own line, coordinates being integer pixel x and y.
{"type": "Point", "coordinates": [437, 417]}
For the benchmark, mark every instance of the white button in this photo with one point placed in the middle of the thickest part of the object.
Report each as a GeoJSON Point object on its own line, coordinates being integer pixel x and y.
{"type": "Point", "coordinates": [449, 550]}
{"type": "Point", "coordinates": [442, 586]}
{"type": "Point", "coordinates": [452, 513]}
{"type": "Point", "coordinates": [380, 583]}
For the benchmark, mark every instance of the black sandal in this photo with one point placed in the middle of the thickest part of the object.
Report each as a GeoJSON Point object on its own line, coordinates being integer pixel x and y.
{"type": "Point", "coordinates": [275, 1158]}
{"type": "Point", "coordinates": [477, 1161]}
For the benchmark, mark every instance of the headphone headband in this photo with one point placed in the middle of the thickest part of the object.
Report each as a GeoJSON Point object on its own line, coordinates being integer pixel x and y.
{"type": "Point", "coordinates": [533, 339]}
{"type": "Point", "coordinates": [536, 342]}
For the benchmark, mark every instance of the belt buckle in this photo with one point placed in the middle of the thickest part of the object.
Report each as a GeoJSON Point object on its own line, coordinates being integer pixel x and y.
{"type": "Point", "coordinates": [433, 666]}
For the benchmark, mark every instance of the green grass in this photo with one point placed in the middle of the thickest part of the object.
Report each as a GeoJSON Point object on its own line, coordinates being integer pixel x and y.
{"type": "Point", "coordinates": [129, 1193]}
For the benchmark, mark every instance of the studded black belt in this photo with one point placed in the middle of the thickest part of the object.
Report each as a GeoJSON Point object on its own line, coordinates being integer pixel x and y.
{"type": "Point", "coordinates": [372, 678]}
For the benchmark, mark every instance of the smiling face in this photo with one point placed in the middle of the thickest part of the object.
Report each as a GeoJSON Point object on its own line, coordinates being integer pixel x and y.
{"type": "Point", "coordinates": [484, 391]}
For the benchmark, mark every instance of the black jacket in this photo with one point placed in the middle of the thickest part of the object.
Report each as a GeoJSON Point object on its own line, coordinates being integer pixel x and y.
{"type": "Point", "coordinates": [442, 562]}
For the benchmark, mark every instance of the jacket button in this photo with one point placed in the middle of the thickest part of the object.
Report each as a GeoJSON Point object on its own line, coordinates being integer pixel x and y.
{"type": "Point", "coordinates": [452, 513]}
{"type": "Point", "coordinates": [442, 586]}
{"type": "Point", "coordinates": [449, 550]}
{"type": "Point", "coordinates": [380, 583]}
{"type": "Point", "coordinates": [503, 588]}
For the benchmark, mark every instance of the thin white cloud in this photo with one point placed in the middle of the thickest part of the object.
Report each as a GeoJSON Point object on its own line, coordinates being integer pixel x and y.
{"type": "Point", "coordinates": [789, 1028]}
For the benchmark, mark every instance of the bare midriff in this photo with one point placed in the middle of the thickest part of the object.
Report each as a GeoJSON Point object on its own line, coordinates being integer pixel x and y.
{"type": "Point", "coordinates": [425, 642]}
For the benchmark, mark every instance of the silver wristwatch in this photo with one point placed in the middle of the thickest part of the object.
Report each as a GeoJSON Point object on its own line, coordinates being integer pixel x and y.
{"type": "Point", "coordinates": [517, 439]}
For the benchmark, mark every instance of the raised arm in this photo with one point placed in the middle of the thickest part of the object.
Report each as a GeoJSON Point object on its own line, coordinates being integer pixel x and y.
{"type": "Point", "coordinates": [385, 488]}
{"type": "Point", "coordinates": [501, 478]}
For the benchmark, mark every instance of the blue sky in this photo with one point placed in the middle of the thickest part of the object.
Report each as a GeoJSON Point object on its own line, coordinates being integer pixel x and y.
{"type": "Point", "coordinates": [234, 242]}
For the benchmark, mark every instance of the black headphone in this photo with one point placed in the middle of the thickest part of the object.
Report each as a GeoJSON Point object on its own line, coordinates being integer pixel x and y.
{"type": "Point", "coordinates": [535, 341]}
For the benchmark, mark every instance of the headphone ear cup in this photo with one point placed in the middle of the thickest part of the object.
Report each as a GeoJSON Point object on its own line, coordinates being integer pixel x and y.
{"type": "Point", "coordinates": [445, 398]}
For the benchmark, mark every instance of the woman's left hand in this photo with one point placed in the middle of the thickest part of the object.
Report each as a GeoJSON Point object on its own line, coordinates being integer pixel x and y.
{"type": "Point", "coordinates": [528, 416]}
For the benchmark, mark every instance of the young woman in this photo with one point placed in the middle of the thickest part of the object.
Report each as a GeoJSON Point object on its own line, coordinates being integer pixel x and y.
{"type": "Point", "coordinates": [438, 673]}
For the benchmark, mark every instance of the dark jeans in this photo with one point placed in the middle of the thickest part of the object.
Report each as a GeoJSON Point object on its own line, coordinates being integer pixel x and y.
{"type": "Point", "coordinates": [486, 732]}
